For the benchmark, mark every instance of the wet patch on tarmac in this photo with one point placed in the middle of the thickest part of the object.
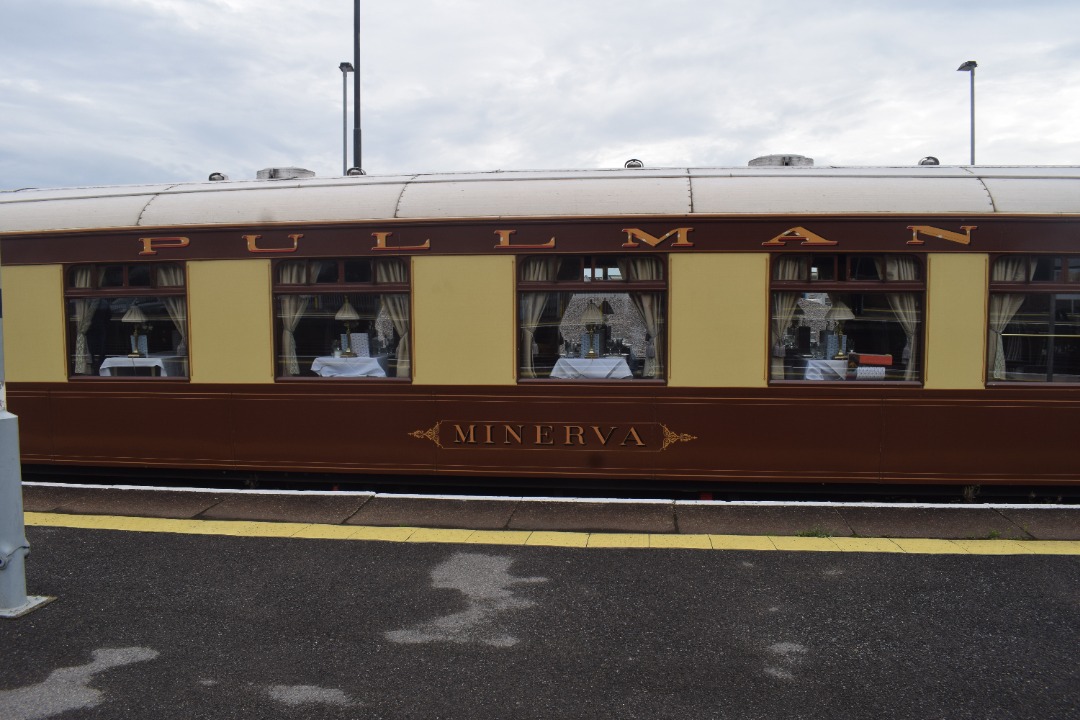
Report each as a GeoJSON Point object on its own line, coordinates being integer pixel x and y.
{"type": "Point", "coordinates": [485, 582]}
{"type": "Point", "coordinates": [68, 688]}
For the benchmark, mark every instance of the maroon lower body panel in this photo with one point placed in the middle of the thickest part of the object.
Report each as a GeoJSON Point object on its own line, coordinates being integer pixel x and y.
{"type": "Point", "coordinates": [789, 433]}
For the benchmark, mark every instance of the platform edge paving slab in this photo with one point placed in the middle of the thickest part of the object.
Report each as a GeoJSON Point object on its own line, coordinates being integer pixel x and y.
{"type": "Point", "coordinates": [476, 514]}
{"type": "Point", "coordinates": [760, 520]}
{"type": "Point", "coordinates": [46, 499]}
{"type": "Point", "coordinates": [321, 509]}
{"type": "Point", "coordinates": [1046, 523]}
{"type": "Point", "coordinates": [594, 517]}
{"type": "Point", "coordinates": [949, 523]}
{"type": "Point", "coordinates": [110, 501]}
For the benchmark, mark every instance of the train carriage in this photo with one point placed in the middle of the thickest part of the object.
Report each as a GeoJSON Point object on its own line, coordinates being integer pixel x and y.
{"type": "Point", "coordinates": [748, 325]}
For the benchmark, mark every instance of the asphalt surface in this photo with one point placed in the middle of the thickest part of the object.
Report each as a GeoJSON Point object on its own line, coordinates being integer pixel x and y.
{"type": "Point", "coordinates": [159, 625]}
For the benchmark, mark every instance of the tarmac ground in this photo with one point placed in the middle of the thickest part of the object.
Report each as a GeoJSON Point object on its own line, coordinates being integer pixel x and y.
{"type": "Point", "coordinates": [254, 604]}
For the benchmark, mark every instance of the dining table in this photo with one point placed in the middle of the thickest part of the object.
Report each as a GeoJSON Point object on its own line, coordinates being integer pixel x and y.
{"type": "Point", "coordinates": [591, 368]}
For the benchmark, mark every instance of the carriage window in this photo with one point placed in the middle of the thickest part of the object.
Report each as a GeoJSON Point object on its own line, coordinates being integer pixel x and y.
{"type": "Point", "coordinates": [599, 317]}
{"type": "Point", "coordinates": [127, 320]}
{"type": "Point", "coordinates": [846, 317]}
{"type": "Point", "coordinates": [342, 318]}
{"type": "Point", "coordinates": [1034, 319]}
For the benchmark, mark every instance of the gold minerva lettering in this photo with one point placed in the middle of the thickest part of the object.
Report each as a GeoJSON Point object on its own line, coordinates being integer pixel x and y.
{"type": "Point", "coordinates": [460, 436]}
{"type": "Point", "coordinates": [574, 435]}
{"type": "Point", "coordinates": [510, 432]}
{"type": "Point", "coordinates": [543, 435]}
{"type": "Point", "coordinates": [633, 434]}
{"type": "Point", "coordinates": [603, 438]}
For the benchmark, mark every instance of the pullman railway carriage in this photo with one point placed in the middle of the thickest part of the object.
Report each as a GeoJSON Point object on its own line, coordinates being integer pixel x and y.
{"type": "Point", "coordinates": [750, 325]}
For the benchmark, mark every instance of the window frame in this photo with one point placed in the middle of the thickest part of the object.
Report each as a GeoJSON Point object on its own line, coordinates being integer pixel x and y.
{"type": "Point", "coordinates": [1049, 289]}
{"type": "Point", "coordinates": [337, 287]}
{"type": "Point", "coordinates": [124, 290]}
{"type": "Point", "coordinates": [603, 285]}
{"type": "Point", "coordinates": [841, 284]}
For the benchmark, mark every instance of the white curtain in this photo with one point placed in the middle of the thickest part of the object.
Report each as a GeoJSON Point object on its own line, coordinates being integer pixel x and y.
{"type": "Point", "coordinates": [84, 315]}
{"type": "Point", "coordinates": [905, 306]}
{"type": "Point", "coordinates": [783, 308]}
{"type": "Point", "coordinates": [394, 270]}
{"type": "Point", "coordinates": [536, 269]}
{"type": "Point", "coordinates": [650, 306]}
{"type": "Point", "coordinates": [1003, 307]}
{"type": "Point", "coordinates": [292, 272]}
{"type": "Point", "coordinates": [173, 276]}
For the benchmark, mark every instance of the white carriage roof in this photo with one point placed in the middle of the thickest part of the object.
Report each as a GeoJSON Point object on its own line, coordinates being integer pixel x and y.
{"type": "Point", "coordinates": [920, 190]}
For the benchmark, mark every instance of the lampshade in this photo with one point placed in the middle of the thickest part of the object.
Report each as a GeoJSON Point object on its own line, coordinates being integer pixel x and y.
{"type": "Point", "coordinates": [346, 313]}
{"type": "Point", "coordinates": [134, 314]}
{"type": "Point", "coordinates": [839, 311]}
{"type": "Point", "coordinates": [592, 315]}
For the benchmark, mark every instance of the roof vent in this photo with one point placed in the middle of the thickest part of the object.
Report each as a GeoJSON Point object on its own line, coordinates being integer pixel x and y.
{"type": "Point", "coordinates": [782, 161]}
{"type": "Point", "coordinates": [286, 173]}
{"type": "Point", "coordinates": [929, 160]}
{"type": "Point", "coordinates": [217, 177]}
{"type": "Point", "coordinates": [633, 164]}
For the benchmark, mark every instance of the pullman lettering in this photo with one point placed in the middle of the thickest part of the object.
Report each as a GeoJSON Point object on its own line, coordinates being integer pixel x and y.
{"type": "Point", "coordinates": [633, 238]}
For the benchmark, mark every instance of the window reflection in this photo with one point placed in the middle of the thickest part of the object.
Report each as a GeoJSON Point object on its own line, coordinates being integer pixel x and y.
{"type": "Point", "coordinates": [846, 317]}
{"type": "Point", "coordinates": [115, 330]}
{"type": "Point", "coordinates": [592, 317]}
{"type": "Point", "coordinates": [1034, 320]}
{"type": "Point", "coordinates": [355, 326]}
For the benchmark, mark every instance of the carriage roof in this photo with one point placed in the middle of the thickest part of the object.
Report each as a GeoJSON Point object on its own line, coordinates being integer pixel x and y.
{"type": "Point", "coordinates": [920, 190]}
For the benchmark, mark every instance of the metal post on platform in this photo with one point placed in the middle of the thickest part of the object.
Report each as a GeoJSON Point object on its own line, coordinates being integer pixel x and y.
{"type": "Point", "coordinates": [13, 545]}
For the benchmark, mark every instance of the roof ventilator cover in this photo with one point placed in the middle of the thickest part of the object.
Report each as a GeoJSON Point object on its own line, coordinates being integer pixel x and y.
{"type": "Point", "coordinates": [285, 173]}
{"type": "Point", "coordinates": [782, 161]}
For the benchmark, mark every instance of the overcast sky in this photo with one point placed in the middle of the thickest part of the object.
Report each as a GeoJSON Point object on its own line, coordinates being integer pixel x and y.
{"type": "Point", "coordinates": [134, 91]}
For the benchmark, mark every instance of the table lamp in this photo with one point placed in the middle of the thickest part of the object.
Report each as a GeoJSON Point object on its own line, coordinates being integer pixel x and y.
{"type": "Point", "coordinates": [348, 315]}
{"type": "Point", "coordinates": [137, 318]}
{"type": "Point", "coordinates": [592, 318]}
{"type": "Point", "coordinates": [838, 314]}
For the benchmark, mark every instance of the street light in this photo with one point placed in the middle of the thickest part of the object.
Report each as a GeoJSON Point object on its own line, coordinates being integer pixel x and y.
{"type": "Point", "coordinates": [969, 67]}
{"type": "Point", "coordinates": [345, 68]}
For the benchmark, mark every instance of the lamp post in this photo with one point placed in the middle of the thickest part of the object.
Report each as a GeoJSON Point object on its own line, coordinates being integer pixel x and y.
{"type": "Point", "coordinates": [969, 67]}
{"type": "Point", "coordinates": [345, 68]}
{"type": "Point", "coordinates": [357, 159]}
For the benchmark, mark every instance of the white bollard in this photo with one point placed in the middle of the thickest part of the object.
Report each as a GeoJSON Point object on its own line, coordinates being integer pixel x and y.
{"type": "Point", "coordinates": [13, 545]}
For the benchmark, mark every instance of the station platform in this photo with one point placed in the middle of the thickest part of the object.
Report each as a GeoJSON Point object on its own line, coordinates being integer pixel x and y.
{"type": "Point", "coordinates": [972, 521]}
{"type": "Point", "coordinates": [179, 604]}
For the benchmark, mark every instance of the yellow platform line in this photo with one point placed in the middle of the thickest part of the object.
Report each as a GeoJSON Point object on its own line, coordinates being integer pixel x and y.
{"type": "Point", "coordinates": [669, 541]}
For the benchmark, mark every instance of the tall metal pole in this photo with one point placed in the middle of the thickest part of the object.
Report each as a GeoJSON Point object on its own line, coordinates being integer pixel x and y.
{"type": "Point", "coordinates": [968, 67]}
{"type": "Point", "coordinates": [345, 68]}
{"type": "Point", "coordinates": [972, 113]}
{"type": "Point", "coordinates": [357, 154]}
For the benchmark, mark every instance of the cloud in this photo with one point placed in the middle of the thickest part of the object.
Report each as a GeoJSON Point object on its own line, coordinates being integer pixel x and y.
{"type": "Point", "coordinates": [119, 91]}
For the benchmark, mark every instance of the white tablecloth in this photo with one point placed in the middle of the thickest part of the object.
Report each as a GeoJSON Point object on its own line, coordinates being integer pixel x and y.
{"type": "Point", "coordinates": [348, 367]}
{"type": "Point", "coordinates": [575, 368]}
{"type": "Point", "coordinates": [826, 370]}
{"type": "Point", "coordinates": [130, 362]}
{"type": "Point", "coordinates": [869, 372]}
